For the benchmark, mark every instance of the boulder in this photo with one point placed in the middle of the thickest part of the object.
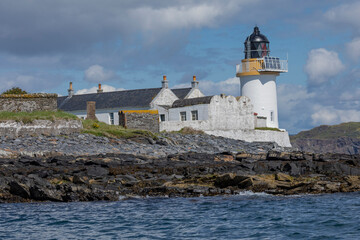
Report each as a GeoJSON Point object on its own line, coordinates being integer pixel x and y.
{"type": "Point", "coordinates": [283, 177]}
{"type": "Point", "coordinates": [229, 179]}
{"type": "Point", "coordinates": [19, 189]}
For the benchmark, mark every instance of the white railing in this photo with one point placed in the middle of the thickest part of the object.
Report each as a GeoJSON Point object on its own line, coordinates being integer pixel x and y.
{"type": "Point", "coordinates": [268, 64]}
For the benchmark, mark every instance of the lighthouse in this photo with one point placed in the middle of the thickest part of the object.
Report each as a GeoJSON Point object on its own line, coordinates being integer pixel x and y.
{"type": "Point", "coordinates": [257, 73]}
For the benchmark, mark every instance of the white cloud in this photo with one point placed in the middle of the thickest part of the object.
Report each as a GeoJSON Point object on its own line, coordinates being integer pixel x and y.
{"type": "Point", "coordinates": [347, 14]}
{"type": "Point", "coordinates": [106, 88]}
{"type": "Point", "coordinates": [230, 86]}
{"type": "Point", "coordinates": [321, 65]}
{"type": "Point", "coordinates": [353, 48]}
{"type": "Point", "coordinates": [350, 96]}
{"type": "Point", "coordinates": [331, 115]}
{"type": "Point", "coordinates": [98, 74]}
{"type": "Point", "coordinates": [289, 96]}
{"type": "Point", "coordinates": [31, 83]}
{"type": "Point", "coordinates": [194, 15]}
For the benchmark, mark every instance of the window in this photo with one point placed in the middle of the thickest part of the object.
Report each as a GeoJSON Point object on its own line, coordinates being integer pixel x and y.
{"type": "Point", "coordinates": [183, 116]}
{"type": "Point", "coordinates": [111, 115]}
{"type": "Point", "coordinates": [194, 115]}
{"type": "Point", "coordinates": [272, 116]}
{"type": "Point", "coordinates": [162, 117]}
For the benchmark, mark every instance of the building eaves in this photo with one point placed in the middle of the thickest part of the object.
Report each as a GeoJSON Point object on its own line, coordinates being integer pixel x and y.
{"type": "Point", "coordinates": [191, 101]}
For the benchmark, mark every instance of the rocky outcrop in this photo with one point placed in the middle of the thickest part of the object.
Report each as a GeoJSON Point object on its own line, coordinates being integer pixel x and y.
{"type": "Point", "coordinates": [82, 167]}
{"type": "Point", "coordinates": [344, 145]}
{"type": "Point", "coordinates": [112, 176]}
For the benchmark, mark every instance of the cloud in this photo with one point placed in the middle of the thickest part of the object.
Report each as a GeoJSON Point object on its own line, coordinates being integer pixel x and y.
{"type": "Point", "coordinates": [188, 15]}
{"type": "Point", "coordinates": [345, 15]}
{"type": "Point", "coordinates": [35, 83]}
{"type": "Point", "coordinates": [98, 74]}
{"type": "Point", "coordinates": [321, 65]}
{"type": "Point", "coordinates": [331, 115]}
{"type": "Point", "coordinates": [353, 48]}
{"type": "Point", "coordinates": [301, 109]}
{"type": "Point", "coordinates": [106, 88]}
{"type": "Point", "coordinates": [72, 26]}
{"type": "Point", "coordinates": [230, 86]}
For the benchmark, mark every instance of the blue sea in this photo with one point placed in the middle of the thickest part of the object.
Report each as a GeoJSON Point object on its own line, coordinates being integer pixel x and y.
{"type": "Point", "coordinates": [244, 216]}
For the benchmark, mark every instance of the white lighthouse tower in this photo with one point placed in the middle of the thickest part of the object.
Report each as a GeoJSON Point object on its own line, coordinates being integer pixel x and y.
{"type": "Point", "coordinates": [257, 73]}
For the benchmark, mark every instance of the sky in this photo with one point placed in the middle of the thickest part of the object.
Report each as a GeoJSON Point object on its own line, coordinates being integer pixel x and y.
{"type": "Point", "coordinates": [131, 44]}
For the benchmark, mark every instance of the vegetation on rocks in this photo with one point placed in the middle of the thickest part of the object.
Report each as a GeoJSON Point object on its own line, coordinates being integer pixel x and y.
{"type": "Point", "coordinates": [189, 130]}
{"type": "Point", "coordinates": [268, 129]}
{"type": "Point", "coordinates": [26, 117]}
{"type": "Point", "coordinates": [15, 90]}
{"type": "Point", "coordinates": [105, 130]}
{"type": "Point", "coordinates": [341, 138]}
{"type": "Point", "coordinates": [349, 129]}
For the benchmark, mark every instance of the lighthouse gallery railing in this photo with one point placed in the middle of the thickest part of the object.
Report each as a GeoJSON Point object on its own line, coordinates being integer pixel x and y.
{"type": "Point", "coordinates": [265, 64]}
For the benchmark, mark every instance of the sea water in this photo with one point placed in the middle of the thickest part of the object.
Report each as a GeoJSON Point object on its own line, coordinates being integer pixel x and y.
{"type": "Point", "coordinates": [244, 216]}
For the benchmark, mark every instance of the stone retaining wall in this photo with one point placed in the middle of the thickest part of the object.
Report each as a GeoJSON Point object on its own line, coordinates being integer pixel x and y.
{"type": "Point", "coordinates": [140, 119]}
{"type": "Point", "coordinates": [28, 102]}
{"type": "Point", "coordinates": [15, 129]}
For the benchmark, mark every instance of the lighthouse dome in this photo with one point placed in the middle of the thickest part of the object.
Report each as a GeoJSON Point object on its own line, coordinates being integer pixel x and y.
{"type": "Point", "coordinates": [256, 45]}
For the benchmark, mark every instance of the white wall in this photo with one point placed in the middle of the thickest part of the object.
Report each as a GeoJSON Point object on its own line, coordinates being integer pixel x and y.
{"type": "Point", "coordinates": [194, 93]}
{"type": "Point", "coordinates": [223, 113]}
{"type": "Point", "coordinates": [281, 138]}
{"type": "Point", "coordinates": [203, 112]}
{"type": "Point", "coordinates": [261, 89]}
{"type": "Point", "coordinates": [165, 97]}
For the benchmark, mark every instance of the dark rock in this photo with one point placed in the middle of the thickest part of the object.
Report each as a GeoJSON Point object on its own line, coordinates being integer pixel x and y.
{"type": "Point", "coordinates": [95, 171]}
{"type": "Point", "coordinates": [78, 180]}
{"type": "Point", "coordinates": [229, 180]}
{"type": "Point", "coordinates": [19, 189]}
{"type": "Point", "coordinates": [44, 194]}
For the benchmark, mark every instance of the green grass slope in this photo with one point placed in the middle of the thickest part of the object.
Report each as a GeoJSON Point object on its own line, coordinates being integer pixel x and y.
{"type": "Point", "coordinates": [349, 129]}
{"type": "Point", "coordinates": [28, 117]}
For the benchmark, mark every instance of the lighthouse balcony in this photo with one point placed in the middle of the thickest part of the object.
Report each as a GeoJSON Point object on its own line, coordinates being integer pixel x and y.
{"type": "Point", "coordinates": [265, 64]}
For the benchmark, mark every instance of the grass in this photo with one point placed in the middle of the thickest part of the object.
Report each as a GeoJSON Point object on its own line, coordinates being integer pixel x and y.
{"type": "Point", "coordinates": [268, 129]}
{"type": "Point", "coordinates": [189, 130]}
{"type": "Point", "coordinates": [349, 129]}
{"type": "Point", "coordinates": [26, 117]}
{"type": "Point", "coordinates": [92, 127]}
{"type": "Point", "coordinates": [102, 129]}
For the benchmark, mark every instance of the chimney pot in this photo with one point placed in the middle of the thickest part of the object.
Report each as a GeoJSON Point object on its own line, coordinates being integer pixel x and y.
{"type": "Point", "coordinates": [70, 90]}
{"type": "Point", "coordinates": [165, 83]}
{"type": "Point", "coordinates": [194, 83]}
{"type": "Point", "coordinates": [99, 90]}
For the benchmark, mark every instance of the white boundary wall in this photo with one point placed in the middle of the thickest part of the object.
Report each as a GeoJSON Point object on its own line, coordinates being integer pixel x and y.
{"type": "Point", "coordinates": [281, 138]}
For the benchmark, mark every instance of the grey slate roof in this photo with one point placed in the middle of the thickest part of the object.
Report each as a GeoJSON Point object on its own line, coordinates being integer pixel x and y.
{"type": "Point", "coordinates": [192, 101]}
{"type": "Point", "coordinates": [139, 98]}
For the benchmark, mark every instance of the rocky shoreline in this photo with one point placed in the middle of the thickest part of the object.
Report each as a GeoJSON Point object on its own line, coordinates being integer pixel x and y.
{"type": "Point", "coordinates": [83, 167]}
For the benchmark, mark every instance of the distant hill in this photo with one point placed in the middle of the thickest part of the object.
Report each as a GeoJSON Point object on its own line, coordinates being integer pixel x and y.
{"type": "Point", "coordinates": [341, 138]}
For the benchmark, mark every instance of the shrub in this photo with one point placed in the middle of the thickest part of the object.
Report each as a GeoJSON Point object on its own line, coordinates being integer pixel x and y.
{"type": "Point", "coordinates": [15, 90]}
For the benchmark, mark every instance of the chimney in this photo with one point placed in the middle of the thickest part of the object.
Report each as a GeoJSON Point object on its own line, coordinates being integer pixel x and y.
{"type": "Point", "coordinates": [91, 110]}
{"type": "Point", "coordinates": [194, 83]}
{"type": "Point", "coordinates": [70, 90]}
{"type": "Point", "coordinates": [99, 90]}
{"type": "Point", "coordinates": [165, 83]}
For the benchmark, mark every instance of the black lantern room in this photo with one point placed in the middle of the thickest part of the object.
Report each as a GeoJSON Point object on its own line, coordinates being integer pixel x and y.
{"type": "Point", "coordinates": [256, 45]}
